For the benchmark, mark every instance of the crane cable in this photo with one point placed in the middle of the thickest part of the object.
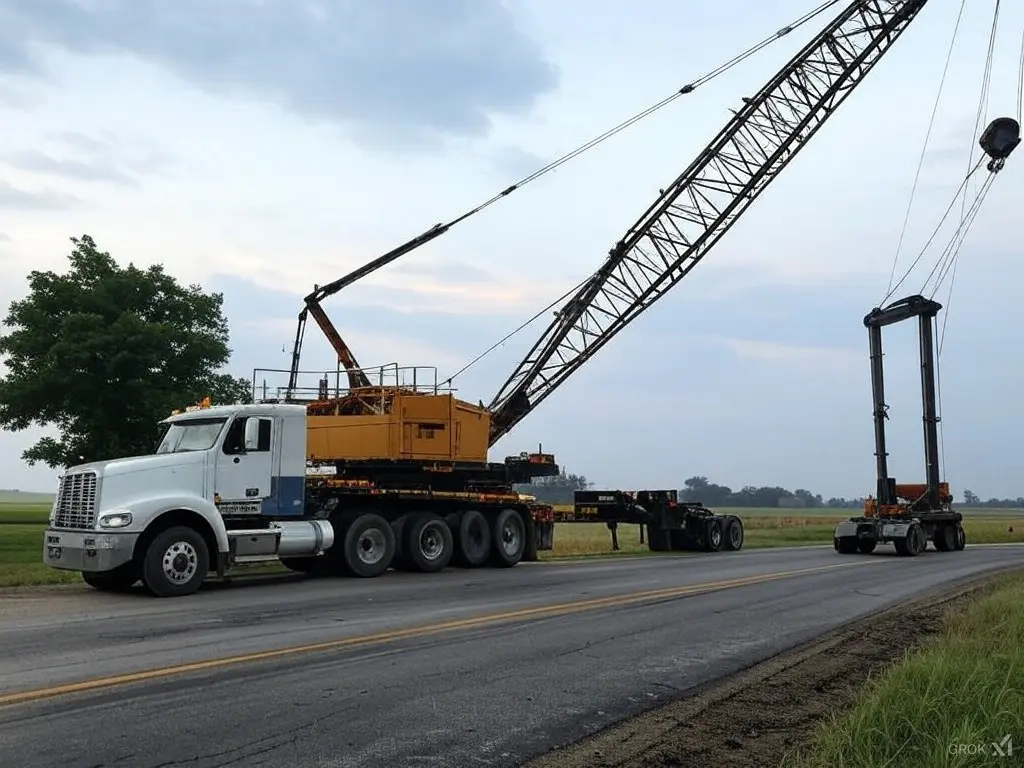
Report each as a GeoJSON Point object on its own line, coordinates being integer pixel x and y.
{"type": "Point", "coordinates": [924, 149]}
{"type": "Point", "coordinates": [684, 90]}
{"type": "Point", "coordinates": [951, 252]}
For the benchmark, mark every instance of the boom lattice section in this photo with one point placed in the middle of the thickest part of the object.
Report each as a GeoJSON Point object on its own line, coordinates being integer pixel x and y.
{"type": "Point", "coordinates": [706, 199]}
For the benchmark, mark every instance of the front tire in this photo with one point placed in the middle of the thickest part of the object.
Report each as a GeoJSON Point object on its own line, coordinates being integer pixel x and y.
{"type": "Point", "coordinates": [176, 562]}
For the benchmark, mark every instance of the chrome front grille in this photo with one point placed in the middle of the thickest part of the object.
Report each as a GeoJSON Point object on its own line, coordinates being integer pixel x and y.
{"type": "Point", "coordinates": [76, 501]}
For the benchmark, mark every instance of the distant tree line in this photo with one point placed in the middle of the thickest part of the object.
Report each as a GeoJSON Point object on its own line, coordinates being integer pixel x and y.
{"type": "Point", "coordinates": [973, 500]}
{"type": "Point", "coordinates": [559, 490]}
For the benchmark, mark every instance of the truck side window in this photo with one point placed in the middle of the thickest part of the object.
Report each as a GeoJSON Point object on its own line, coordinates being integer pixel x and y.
{"type": "Point", "coordinates": [264, 438]}
{"type": "Point", "coordinates": [234, 441]}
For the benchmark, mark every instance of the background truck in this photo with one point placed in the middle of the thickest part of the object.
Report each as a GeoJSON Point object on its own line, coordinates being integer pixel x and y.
{"type": "Point", "coordinates": [392, 469]}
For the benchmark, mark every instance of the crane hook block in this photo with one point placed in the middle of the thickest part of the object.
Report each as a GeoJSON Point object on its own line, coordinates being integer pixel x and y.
{"type": "Point", "coordinates": [1000, 139]}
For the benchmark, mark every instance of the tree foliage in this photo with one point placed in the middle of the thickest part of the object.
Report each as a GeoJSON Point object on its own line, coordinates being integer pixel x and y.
{"type": "Point", "coordinates": [102, 353]}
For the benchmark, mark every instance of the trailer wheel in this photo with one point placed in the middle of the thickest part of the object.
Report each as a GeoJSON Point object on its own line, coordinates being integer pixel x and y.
{"type": "Point", "coordinates": [120, 579]}
{"type": "Point", "coordinates": [369, 546]}
{"type": "Point", "coordinates": [845, 545]}
{"type": "Point", "coordinates": [428, 542]}
{"type": "Point", "coordinates": [712, 534]}
{"type": "Point", "coordinates": [508, 538]}
{"type": "Point", "coordinates": [961, 538]}
{"type": "Point", "coordinates": [733, 539]}
{"type": "Point", "coordinates": [474, 540]}
{"type": "Point", "coordinates": [176, 562]}
{"type": "Point", "coordinates": [944, 538]}
{"type": "Point", "coordinates": [913, 543]}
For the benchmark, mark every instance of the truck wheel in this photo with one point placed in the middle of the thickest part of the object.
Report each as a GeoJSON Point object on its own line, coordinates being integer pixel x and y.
{"type": "Point", "coordinates": [474, 540]}
{"type": "Point", "coordinates": [845, 545]}
{"type": "Point", "coordinates": [508, 537]}
{"type": "Point", "coordinates": [120, 579]}
{"type": "Point", "coordinates": [961, 538]}
{"type": "Point", "coordinates": [369, 546]}
{"type": "Point", "coordinates": [176, 562]}
{"type": "Point", "coordinates": [428, 542]}
{"type": "Point", "coordinates": [913, 543]}
{"type": "Point", "coordinates": [712, 535]}
{"type": "Point", "coordinates": [733, 539]}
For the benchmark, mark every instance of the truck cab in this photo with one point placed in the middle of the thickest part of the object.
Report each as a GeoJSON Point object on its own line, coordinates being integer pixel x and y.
{"type": "Point", "coordinates": [222, 487]}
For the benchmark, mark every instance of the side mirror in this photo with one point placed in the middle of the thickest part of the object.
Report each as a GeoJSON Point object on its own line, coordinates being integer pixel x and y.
{"type": "Point", "coordinates": [252, 434]}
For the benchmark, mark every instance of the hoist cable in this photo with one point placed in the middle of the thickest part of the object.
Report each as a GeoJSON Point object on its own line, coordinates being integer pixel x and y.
{"type": "Point", "coordinates": [952, 251]}
{"type": "Point", "coordinates": [1020, 81]}
{"type": "Point", "coordinates": [935, 232]}
{"type": "Point", "coordinates": [684, 90]}
{"type": "Point", "coordinates": [986, 82]}
{"type": "Point", "coordinates": [513, 332]}
{"type": "Point", "coordinates": [924, 147]}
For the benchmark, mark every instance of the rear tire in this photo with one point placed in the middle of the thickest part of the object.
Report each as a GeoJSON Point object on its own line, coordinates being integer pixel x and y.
{"type": "Point", "coordinates": [428, 544]}
{"type": "Point", "coordinates": [961, 538]}
{"type": "Point", "coordinates": [867, 545]}
{"type": "Point", "coordinates": [913, 543]}
{"type": "Point", "coordinates": [176, 562]}
{"type": "Point", "coordinates": [474, 540]}
{"type": "Point", "coordinates": [508, 537]}
{"type": "Point", "coordinates": [712, 535]}
{"type": "Point", "coordinates": [733, 539]}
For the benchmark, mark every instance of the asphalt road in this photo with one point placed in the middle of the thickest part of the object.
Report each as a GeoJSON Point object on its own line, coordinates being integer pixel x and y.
{"type": "Point", "coordinates": [461, 668]}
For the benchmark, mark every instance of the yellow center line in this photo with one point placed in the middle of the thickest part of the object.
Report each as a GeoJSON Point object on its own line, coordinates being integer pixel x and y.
{"type": "Point", "coordinates": [558, 609]}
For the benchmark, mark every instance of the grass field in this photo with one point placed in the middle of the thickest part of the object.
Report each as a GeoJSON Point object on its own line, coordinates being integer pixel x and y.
{"type": "Point", "coordinates": [947, 704]}
{"type": "Point", "coordinates": [21, 527]}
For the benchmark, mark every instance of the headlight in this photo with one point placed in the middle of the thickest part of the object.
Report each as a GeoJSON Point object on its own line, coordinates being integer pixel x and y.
{"type": "Point", "coordinates": [120, 518]}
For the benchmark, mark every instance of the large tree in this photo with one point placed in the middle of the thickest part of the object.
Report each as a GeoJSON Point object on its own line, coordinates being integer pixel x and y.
{"type": "Point", "coordinates": [103, 352]}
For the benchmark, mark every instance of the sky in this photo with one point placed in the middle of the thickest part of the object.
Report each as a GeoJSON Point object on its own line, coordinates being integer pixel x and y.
{"type": "Point", "coordinates": [259, 147]}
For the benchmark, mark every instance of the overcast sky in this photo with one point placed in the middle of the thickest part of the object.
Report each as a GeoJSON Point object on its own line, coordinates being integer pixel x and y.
{"type": "Point", "coordinates": [262, 146]}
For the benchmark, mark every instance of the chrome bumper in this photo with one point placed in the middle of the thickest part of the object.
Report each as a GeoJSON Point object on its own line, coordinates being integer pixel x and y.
{"type": "Point", "coordinates": [87, 550]}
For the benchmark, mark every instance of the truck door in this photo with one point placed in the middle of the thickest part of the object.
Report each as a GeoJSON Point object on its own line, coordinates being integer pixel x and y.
{"type": "Point", "coordinates": [245, 465]}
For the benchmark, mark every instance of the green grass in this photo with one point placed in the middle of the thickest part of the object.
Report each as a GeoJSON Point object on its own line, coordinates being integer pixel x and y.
{"type": "Point", "coordinates": [963, 689]}
{"type": "Point", "coordinates": [21, 530]}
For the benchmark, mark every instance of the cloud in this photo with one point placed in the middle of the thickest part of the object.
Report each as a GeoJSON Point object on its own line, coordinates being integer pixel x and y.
{"type": "Point", "coordinates": [16, 198]}
{"type": "Point", "coordinates": [791, 354]}
{"type": "Point", "coordinates": [398, 72]}
{"type": "Point", "coordinates": [4, 238]}
{"type": "Point", "coordinates": [37, 161]}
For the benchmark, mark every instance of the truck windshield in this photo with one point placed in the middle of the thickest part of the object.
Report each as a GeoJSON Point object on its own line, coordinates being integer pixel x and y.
{"type": "Point", "coordinates": [191, 435]}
